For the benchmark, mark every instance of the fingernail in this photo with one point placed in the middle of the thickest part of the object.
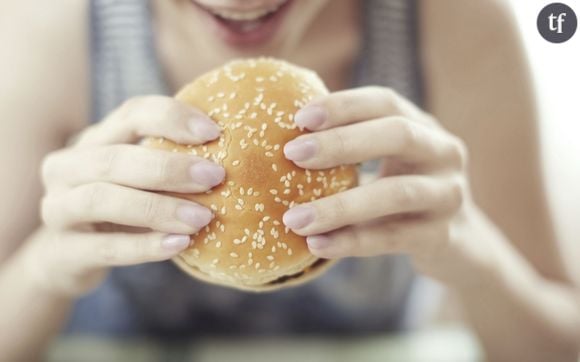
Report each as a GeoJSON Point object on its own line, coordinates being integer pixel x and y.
{"type": "Point", "coordinates": [310, 117]}
{"type": "Point", "coordinates": [174, 242]}
{"type": "Point", "coordinates": [196, 216]}
{"type": "Point", "coordinates": [207, 173]}
{"type": "Point", "coordinates": [298, 217]}
{"type": "Point", "coordinates": [204, 128]}
{"type": "Point", "coordinates": [300, 150]}
{"type": "Point", "coordinates": [318, 241]}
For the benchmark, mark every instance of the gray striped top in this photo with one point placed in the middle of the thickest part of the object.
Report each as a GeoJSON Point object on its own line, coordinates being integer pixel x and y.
{"type": "Point", "coordinates": [356, 296]}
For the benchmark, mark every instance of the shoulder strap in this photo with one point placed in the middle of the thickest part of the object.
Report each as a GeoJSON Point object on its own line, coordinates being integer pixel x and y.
{"type": "Point", "coordinates": [391, 54]}
{"type": "Point", "coordinates": [123, 58]}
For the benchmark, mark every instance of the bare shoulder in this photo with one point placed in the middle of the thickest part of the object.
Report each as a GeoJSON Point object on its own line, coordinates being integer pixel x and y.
{"type": "Point", "coordinates": [43, 90]}
{"type": "Point", "coordinates": [44, 58]}
{"type": "Point", "coordinates": [472, 45]}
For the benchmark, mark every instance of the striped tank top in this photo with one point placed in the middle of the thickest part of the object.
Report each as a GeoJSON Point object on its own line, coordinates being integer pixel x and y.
{"type": "Point", "coordinates": [357, 295]}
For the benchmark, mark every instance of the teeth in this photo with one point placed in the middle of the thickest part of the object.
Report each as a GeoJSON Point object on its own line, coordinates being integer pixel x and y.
{"type": "Point", "coordinates": [245, 16]}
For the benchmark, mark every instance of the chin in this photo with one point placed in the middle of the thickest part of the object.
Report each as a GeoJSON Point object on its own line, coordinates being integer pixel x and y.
{"type": "Point", "coordinates": [264, 27]}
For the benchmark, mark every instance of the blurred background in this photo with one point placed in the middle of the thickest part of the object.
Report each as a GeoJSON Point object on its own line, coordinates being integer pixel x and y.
{"type": "Point", "coordinates": [556, 74]}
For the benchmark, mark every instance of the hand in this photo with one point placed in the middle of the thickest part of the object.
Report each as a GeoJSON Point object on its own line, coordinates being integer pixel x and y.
{"type": "Point", "coordinates": [415, 204]}
{"type": "Point", "coordinates": [99, 210]}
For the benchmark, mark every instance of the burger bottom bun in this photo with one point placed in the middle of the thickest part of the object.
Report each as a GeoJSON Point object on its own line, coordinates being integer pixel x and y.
{"type": "Point", "coordinates": [318, 267]}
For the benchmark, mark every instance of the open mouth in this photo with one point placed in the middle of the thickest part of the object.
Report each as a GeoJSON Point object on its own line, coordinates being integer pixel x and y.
{"type": "Point", "coordinates": [247, 27]}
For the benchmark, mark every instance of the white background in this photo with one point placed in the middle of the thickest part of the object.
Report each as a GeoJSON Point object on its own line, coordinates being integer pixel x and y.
{"type": "Point", "coordinates": [556, 70]}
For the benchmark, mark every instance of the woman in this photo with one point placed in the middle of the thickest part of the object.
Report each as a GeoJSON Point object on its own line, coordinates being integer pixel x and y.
{"type": "Point", "coordinates": [448, 77]}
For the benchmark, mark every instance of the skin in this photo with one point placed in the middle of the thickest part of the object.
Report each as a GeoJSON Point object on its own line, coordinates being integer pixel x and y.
{"type": "Point", "coordinates": [471, 212]}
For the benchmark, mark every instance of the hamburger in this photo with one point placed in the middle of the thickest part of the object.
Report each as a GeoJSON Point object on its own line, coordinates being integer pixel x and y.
{"type": "Point", "coordinates": [246, 246]}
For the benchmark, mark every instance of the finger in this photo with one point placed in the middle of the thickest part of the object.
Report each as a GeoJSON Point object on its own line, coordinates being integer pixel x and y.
{"type": "Point", "coordinates": [132, 166]}
{"type": "Point", "coordinates": [90, 250]}
{"type": "Point", "coordinates": [386, 196]}
{"type": "Point", "coordinates": [380, 237]}
{"type": "Point", "coordinates": [105, 202]}
{"type": "Point", "coordinates": [397, 137]}
{"type": "Point", "coordinates": [355, 105]}
{"type": "Point", "coordinates": [155, 116]}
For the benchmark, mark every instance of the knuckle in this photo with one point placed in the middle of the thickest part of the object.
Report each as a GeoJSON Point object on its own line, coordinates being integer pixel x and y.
{"type": "Point", "coordinates": [151, 209]}
{"type": "Point", "coordinates": [108, 253]}
{"type": "Point", "coordinates": [457, 194]}
{"type": "Point", "coordinates": [48, 167]}
{"type": "Point", "coordinates": [404, 194]}
{"type": "Point", "coordinates": [134, 102]}
{"type": "Point", "coordinates": [340, 147]}
{"type": "Point", "coordinates": [144, 249]}
{"type": "Point", "coordinates": [106, 162]}
{"type": "Point", "coordinates": [162, 169]}
{"type": "Point", "coordinates": [91, 197]}
{"type": "Point", "coordinates": [47, 212]}
{"type": "Point", "coordinates": [336, 209]}
{"type": "Point", "coordinates": [339, 205]}
{"type": "Point", "coordinates": [407, 134]}
{"type": "Point", "coordinates": [388, 94]}
{"type": "Point", "coordinates": [168, 108]}
{"type": "Point", "coordinates": [460, 152]}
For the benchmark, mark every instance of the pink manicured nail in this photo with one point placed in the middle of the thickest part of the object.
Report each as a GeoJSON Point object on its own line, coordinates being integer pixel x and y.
{"type": "Point", "coordinates": [175, 242]}
{"type": "Point", "coordinates": [300, 150]}
{"type": "Point", "coordinates": [310, 117]}
{"type": "Point", "coordinates": [207, 173]}
{"type": "Point", "coordinates": [318, 241]}
{"type": "Point", "coordinates": [204, 128]}
{"type": "Point", "coordinates": [298, 217]}
{"type": "Point", "coordinates": [196, 216]}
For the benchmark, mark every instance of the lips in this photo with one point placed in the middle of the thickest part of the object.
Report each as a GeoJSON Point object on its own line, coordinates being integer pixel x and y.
{"type": "Point", "coordinates": [245, 27]}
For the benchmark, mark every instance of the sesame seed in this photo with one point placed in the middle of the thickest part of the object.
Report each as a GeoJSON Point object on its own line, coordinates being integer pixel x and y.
{"type": "Point", "coordinates": [218, 244]}
{"type": "Point", "coordinates": [236, 162]}
{"type": "Point", "coordinates": [274, 191]}
{"type": "Point", "coordinates": [234, 255]}
{"type": "Point", "coordinates": [274, 167]}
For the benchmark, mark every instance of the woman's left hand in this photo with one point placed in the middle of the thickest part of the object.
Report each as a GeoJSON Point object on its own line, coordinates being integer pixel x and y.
{"type": "Point", "coordinates": [422, 191]}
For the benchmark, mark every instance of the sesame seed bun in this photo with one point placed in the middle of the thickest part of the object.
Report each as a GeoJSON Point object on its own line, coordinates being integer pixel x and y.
{"type": "Point", "coordinates": [246, 245]}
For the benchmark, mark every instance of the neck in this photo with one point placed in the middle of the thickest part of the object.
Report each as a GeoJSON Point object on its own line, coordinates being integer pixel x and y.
{"type": "Point", "coordinates": [184, 52]}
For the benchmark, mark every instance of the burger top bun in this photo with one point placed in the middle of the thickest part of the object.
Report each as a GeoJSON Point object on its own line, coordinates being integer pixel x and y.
{"type": "Point", "coordinates": [246, 245]}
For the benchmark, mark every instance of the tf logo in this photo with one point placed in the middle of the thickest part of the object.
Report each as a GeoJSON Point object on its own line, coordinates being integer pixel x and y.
{"type": "Point", "coordinates": [557, 23]}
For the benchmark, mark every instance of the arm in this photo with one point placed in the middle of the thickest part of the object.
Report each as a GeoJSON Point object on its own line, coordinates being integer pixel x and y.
{"type": "Point", "coordinates": [490, 240]}
{"type": "Point", "coordinates": [483, 70]}
{"type": "Point", "coordinates": [33, 73]}
{"type": "Point", "coordinates": [89, 183]}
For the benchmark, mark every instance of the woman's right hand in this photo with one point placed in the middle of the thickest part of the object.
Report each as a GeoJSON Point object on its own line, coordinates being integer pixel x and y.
{"type": "Point", "coordinates": [100, 209]}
